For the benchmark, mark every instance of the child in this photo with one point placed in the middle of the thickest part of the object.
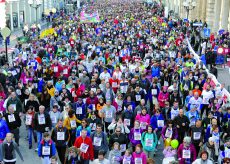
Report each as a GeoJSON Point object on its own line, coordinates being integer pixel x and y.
{"type": "Point", "coordinates": [54, 160]}
{"type": "Point", "coordinates": [169, 154]}
{"type": "Point", "coordinates": [29, 123]}
{"type": "Point", "coordinates": [115, 154]}
{"type": "Point", "coordinates": [127, 158]}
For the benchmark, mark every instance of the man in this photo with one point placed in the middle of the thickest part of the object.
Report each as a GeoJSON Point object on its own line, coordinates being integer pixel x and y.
{"type": "Point", "coordinates": [197, 135]}
{"type": "Point", "coordinates": [42, 123]}
{"type": "Point", "coordinates": [60, 135]}
{"type": "Point", "coordinates": [85, 145]}
{"type": "Point", "coordinates": [46, 149]}
{"type": "Point", "coordinates": [101, 158]}
{"type": "Point", "coordinates": [8, 148]}
{"type": "Point", "coordinates": [120, 138]}
{"type": "Point", "coordinates": [15, 102]}
{"type": "Point", "coordinates": [14, 122]}
{"type": "Point", "coordinates": [108, 112]}
{"type": "Point", "coordinates": [195, 100]}
{"type": "Point", "coordinates": [182, 123]}
{"type": "Point", "coordinates": [99, 139]}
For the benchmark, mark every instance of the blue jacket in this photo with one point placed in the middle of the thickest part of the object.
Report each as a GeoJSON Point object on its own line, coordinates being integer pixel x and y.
{"type": "Point", "coordinates": [51, 144]}
{"type": "Point", "coordinates": [58, 85]}
{"type": "Point", "coordinates": [155, 72]}
{"type": "Point", "coordinates": [4, 129]}
{"type": "Point", "coordinates": [153, 121]}
{"type": "Point", "coordinates": [79, 129]}
{"type": "Point", "coordinates": [83, 106]}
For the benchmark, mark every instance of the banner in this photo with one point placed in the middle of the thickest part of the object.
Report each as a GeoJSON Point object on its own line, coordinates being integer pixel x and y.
{"type": "Point", "coordinates": [89, 18]}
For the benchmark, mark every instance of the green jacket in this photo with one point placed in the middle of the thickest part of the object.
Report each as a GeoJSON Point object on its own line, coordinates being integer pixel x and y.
{"type": "Point", "coordinates": [17, 104]}
{"type": "Point", "coordinates": [146, 139]}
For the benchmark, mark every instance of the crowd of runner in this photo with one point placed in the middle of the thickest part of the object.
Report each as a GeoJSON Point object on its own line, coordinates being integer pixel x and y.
{"type": "Point", "coordinates": [113, 92]}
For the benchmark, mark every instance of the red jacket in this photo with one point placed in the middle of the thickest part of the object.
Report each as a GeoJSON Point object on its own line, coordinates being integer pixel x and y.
{"type": "Point", "coordinates": [89, 155]}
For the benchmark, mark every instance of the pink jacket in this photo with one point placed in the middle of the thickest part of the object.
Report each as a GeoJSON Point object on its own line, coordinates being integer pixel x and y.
{"type": "Point", "coordinates": [2, 109]}
{"type": "Point", "coordinates": [192, 152]}
{"type": "Point", "coordinates": [141, 155]}
{"type": "Point", "coordinates": [162, 98]}
{"type": "Point", "coordinates": [142, 118]}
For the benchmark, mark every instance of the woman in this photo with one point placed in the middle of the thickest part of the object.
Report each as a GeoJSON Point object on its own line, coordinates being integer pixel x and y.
{"type": "Point", "coordinates": [143, 118]}
{"type": "Point", "coordinates": [72, 156]}
{"type": "Point", "coordinates": [84, 125]}
{"type": "Point", "coordinates": [157, 122]}
{"type": "Point", "coordinates": [4, 129]}
{"type": "Point", "coordinates": [115, 154]}
{"type": "Point", "coordinates": [32, 101]}
{"type": "Point", "coordinates": [128, 116]}
{"type": "Point", "coordinates": [186, 151]}
{"type": "Point", "coordinates": [138, 155]}
{"type": "Point", "coordinates": [203, 159]}
{"type": "Point", "coordinates": [210, 148]}
{"type": "Point", "coordinates": [149, 142]}
{"type": "Point", "coordinates": [135, 134]}
{"type": "Point", "coordinates": [163, 97]}
{"type": "Point", "coordinates": [169, 131]}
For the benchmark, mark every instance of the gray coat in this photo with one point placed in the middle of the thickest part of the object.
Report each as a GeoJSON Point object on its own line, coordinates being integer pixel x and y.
{"type": "Point", "coordinates": [15, 147]}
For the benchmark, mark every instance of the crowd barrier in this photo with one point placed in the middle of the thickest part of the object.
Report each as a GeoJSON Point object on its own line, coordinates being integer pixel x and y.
{"type": "Point", "coordinates": [213, 77]}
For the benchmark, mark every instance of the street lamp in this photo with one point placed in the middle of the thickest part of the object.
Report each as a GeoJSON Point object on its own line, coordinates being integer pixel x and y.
{"type": "Point", "coordinates": [35, 4]}
{"type": "Point", "coordinates": [189, 5]}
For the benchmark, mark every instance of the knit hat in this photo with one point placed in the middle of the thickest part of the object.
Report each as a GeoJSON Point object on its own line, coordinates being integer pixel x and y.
{"type": "Point", "coordinates": [211, 139]}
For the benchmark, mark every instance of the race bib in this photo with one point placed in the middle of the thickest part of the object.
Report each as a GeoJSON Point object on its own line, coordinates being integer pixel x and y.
{"type": "Point", "coordinates": [93, 89]}
{"type": "Point", "coordinates": [55, 69]}
{"type": "Point", "coordinates": [79, 110]}
{"type": "Point", "coordinates": [11, 118]}
{"type": "Point", "coordinates": [196, 135]}
{"type": "Point", "coordinates": [73, 124]}
{"type": "Point", "coordinates": [41, 120]}
{"type": "Point", "coordinates": [114, 84]}
{"type": "Point", "coordinates": [108, 114]}
{"type": "Point", "coordinates": [28, 119]}
{"type": "Point", "coordinates": [45, 150]}
{"type": "Point", "coordinates": [65, 71]}
{"type": "Point", "coordinates": [60, 136]}
{"type": "Point", "coordinates": [227, 153]}
{"type": "Point", "coordinates": [93, 126]}
{"type": "Point", "coordinates": [186, 154]}
{"type": "Point", "coordinates": [138, 97]}
{"type": "Point", "coordinates": [166, 83]}
{"type": "Point", "coordinates": [185, 87]}
{"type": "Point", "coordinates": [149, 142]}
{"type": "Point", "coordinates": [138, 161]}
{"type": "Point", "coordinates": [127, 122]}
{"type": "Point", "coordinates": [84, 147]}
{"type": "Point", "coordinates": [126, 161]}
{"type": "Point", "coordinates": [154, 91]}
{"type": "Point", "coordinates": [143, 125]}
{"type": "Point", "coordinates": [205, 100]}
{"type": "Point", "coordinates": [123, 147]}
{"type": "Point", "coordinates": [97, 141]}
{"type": "Point", "coordinates": [168, 133]}
{"type": "Point", "coordinates": [54, 120]}
{"type": "Point", "coordinates": [137, 136]}
{"type": "Point", "coordinates": [160, 123]}
{"type": "Point", "coordinates": [14, 106]}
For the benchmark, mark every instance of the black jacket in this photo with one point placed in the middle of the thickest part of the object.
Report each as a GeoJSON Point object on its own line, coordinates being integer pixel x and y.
{"type": "Point", "coordinates": [60, 143]}
{"type": "Point", "coordinates": [121, 139]}
{"type": "Point", "coordinates": [178, 120]}
{"type": "Point", "coordinates": [41, 128]}
{"type": "Point", "coordinates": [13, 124]}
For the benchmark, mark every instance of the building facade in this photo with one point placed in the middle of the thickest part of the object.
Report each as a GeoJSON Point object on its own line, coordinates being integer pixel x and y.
{"type": "Point", "coordinates": [15, 13]}
{"type": "Point", "coordinates": [215, 12]}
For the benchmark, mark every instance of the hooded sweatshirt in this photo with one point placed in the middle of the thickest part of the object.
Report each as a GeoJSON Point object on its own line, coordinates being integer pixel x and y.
{"type": "Point", "coordinates": [115, 156]}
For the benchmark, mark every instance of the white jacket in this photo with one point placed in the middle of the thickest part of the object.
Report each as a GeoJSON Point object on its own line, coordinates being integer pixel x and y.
{"type": "Point", "coordinates": [198, 161]}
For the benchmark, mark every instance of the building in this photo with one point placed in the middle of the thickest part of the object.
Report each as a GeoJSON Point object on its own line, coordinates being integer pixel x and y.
{"type": "Point", "coordinates": [215, 12]}
{"type": "Point", "coordinates": [15, 13]}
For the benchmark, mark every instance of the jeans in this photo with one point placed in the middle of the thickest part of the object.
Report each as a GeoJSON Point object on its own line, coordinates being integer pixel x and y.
{"type": "Point", "coordinates": [45, 160]}
{"type": "Point", "coordinates": [39, 137]}
{"type": "Point", "coordinates": [30, 134]}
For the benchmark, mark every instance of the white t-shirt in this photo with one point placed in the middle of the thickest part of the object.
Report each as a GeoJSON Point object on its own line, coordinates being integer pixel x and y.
{"type": "Point", "coordinates": [207, 96]}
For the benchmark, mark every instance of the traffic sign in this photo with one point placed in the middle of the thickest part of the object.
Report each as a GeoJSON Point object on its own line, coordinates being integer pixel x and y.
{"type": "Point", "coordinates": [198, 24]}
{"type": "Point", "coordinates": [207, 32]}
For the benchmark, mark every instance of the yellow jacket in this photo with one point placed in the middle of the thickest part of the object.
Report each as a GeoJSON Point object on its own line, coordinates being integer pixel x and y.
{"type": "Point", "coordinates": [51, 91]}
{"type": "Point", "coordinates": [71, 123]}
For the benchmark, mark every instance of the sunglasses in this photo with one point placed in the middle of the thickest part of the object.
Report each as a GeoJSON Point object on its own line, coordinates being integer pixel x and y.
{"type": "Point", "coordinates": [118, 131]}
